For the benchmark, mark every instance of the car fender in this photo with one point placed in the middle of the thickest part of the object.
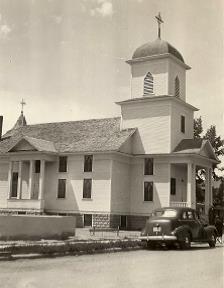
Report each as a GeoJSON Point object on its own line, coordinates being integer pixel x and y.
{"type": "Point", "coordinates": [209, 231]}
{"type": "Point", "coordinates": [181, 231]}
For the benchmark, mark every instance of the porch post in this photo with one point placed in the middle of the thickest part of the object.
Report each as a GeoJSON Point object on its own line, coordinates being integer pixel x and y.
{"type": "Point", "coordinates": [10, 179]}
{"type": "Point", "coordinates": [41, 180]}
{"type": "Point", "coordinates": [31, 179]}
{"type": "Point", "coordinates": [191, 181]}
{"type": "Point", "coordinates": [19, 189]}
{"type": "Point", "coordinates": [210, 187]}
{"type": "Point", "coordinates": [207, 190]}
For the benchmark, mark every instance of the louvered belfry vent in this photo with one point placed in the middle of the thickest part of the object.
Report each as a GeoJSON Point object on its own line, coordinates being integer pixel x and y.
{"type": "Point", "coordinates": [148, 84]}
{"type": "Point", "coordinates": [177, 87]}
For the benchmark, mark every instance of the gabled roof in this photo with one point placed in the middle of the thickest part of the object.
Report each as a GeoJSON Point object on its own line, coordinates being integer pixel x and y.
{"type": "Point", "coordinates": [76, 136]}
{"type": "Point", "coordinates": [196, 146]}
{"type": "Point", "coordinates": [38, 144]}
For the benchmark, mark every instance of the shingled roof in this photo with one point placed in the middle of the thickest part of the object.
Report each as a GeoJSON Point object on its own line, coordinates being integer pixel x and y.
{"type": "Point", "coordinates": [76, 136]}
{"type": "Point", "coordinates": [196, 146]}
{"type": "Point", "coordinates": [189, 146]}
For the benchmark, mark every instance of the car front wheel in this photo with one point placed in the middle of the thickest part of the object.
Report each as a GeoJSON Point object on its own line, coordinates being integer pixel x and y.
{"type": "Point", "coordinates": [185, 242]}
{"type": "Point", "coordinates": [212, 241]}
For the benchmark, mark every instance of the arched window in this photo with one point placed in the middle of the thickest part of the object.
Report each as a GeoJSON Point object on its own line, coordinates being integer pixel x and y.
{"type": "Point", "coordinates": [148, 84]}
{"type": "Point", "coordinates": [177, 87]}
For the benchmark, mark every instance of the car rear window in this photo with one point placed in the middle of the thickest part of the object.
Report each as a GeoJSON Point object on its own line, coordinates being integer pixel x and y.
{"type": "Point", "coordinates": [165, 213]}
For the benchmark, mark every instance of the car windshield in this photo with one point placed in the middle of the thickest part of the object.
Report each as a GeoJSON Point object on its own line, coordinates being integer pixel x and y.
{"type": "Point", "coordinates": [165, 213]}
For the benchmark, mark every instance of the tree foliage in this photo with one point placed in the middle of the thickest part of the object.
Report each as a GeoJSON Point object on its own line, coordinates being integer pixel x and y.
{"type": "Point", "coordinates": [218, 146]}
{"type": "Point", "coordinates": [211, 135]}
{"type": "Point", "coordinates": [198, 129]}
{"type": "Point", "coordinates": [216, 141]}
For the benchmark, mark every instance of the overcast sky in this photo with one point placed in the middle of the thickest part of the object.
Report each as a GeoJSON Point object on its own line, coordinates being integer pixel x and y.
{"type": "Point", "coordinates": [66, 58]}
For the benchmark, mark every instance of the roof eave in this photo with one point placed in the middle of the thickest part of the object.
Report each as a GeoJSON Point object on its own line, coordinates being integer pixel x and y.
{"type": "Point", "coordinates": [156, 98]}
{"type": "Point", "coordinates": [160, 56]}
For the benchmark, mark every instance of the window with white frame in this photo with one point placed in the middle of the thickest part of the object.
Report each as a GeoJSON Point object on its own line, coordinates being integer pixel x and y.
{"type": "Point", "coordinates": [173, 186]}
{"type": "Point", "coordinates": [87, 188]}
{"type": "Point", "coordinates": [148, 191]}
{"type": "Point", "coordinates": [88, 163]}
{"type": "Point", "coordinates": [182, 124]}
{"type": "Point", "coordinates": [61, 188]}
{"type": "Point", "coordinates": [148, 166]}
{"type": "Point", "coordinates": [62, 164]}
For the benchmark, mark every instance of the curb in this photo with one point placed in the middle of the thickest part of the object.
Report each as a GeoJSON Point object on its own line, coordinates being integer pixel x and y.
{"type": "Point", "coordinates": [44, 250]}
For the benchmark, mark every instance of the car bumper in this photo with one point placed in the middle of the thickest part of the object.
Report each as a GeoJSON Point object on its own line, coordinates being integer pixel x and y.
{"type": "Point", "coordinates": [158, 238]}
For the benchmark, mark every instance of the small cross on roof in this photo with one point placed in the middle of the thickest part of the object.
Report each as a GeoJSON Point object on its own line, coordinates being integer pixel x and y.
{"type": "Point", "coordinates": [23, 103]}
{"type": "Point", "coordinates": [159, 21]}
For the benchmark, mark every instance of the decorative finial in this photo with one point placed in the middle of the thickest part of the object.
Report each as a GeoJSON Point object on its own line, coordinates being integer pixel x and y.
{"type": "Point", "coordinates": [159, 21]}
{"type": "Point", "coordinates": [23, 103]}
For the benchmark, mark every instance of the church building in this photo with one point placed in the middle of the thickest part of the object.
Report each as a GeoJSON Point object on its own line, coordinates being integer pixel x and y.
{"type": "Point", "coordinates": [115, 171]}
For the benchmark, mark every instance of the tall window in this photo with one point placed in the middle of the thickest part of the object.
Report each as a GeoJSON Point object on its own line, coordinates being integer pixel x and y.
{"type": "Point", "coordinates": [87, 188]}
{"type": "Point", "coordinates": [14, 184]}
{"type": "Point", "coordinates": [88, 163]}
{"type": "Point", "coordinates": [177, 87]}
{"type": "Point", "coordinates": [173, 186]}
{"type": "Point", "coordinates": [148, 167]}
{"type": "Point", "coordinates": [182, 124]}
{"type": "Point", "coordinates": [148, 191]}
{"type": "Point", "coordinates": [62, 164]}
{"type": "Point", "coordinates": [61, 188]}
{"type": "Point", "coordinates": [148, 84]}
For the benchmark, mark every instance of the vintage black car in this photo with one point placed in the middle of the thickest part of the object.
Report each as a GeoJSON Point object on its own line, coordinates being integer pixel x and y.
{"type": "Point", "coordinates": [179, 226]}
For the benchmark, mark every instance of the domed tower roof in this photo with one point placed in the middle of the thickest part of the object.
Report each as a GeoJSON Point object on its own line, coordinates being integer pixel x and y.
{"type": "Point", "coordinates": [156, 48]}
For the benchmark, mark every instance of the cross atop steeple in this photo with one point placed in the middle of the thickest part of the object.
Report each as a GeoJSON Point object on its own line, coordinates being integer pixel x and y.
{"type": "Point", "coordinates": [23, 103]}
{"type": "Point", "coordinates": [159, 21]}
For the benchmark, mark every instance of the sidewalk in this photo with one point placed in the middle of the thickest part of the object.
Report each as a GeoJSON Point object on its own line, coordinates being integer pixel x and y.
{"type": "Point", "coordinates": [84, 234]}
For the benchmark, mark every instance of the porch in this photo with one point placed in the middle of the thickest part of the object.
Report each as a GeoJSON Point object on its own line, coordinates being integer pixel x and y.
{"type": "Point", "coordinates": [183, 188]}
{"type": "Point", "coordinates": [26, 184]}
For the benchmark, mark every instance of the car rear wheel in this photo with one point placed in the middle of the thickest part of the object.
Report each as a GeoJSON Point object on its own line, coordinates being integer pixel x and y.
{"type": "Point", "coordinates": [150, 245]}
{"type": "Point", "coordinates": [185, 242]}
{"type": "Point", "coordinates": [212, 241]}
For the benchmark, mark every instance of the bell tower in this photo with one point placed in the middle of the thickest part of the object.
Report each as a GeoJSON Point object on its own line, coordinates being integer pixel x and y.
{"type": "Point", "coordinates": [163, 63]}
{"type": "Point", "coordinates": [157, 106]}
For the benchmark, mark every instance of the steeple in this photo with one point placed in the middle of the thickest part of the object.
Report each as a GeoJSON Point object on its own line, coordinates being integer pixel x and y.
{"type": "Point", "coordinates": [21, 120]}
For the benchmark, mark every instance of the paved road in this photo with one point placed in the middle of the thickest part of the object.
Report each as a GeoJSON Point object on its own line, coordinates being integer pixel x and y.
{"type": "Point", "coordinates": [199, 267]}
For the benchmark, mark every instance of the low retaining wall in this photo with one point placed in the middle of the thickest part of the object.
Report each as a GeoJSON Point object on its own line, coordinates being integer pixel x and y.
{"type": "Point", "coordinates": [23, 227]}
{"type": "Point", "coordinates": [37, 250]}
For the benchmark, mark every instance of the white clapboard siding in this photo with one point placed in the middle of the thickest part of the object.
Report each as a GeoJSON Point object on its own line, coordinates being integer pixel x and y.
{"type": "Point", "coordinates": [3, 184]}
{"type": "Point", "coordinates": [74, 202]}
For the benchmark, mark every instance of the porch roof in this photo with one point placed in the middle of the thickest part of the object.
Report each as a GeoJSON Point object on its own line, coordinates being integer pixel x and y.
{"type": "Point", "coordinates": [94, 135]}
{"type": "Point", "coordinates": [196, 146]}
